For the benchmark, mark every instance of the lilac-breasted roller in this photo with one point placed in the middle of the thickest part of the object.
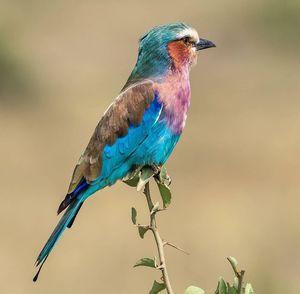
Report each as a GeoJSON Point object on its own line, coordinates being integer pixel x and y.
{"type": "Point", "coordinates": [144, 123]}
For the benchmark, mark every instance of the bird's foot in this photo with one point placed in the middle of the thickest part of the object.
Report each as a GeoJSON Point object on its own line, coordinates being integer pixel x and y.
{"type": "Point", "coordinates": [160, 174]}
{"type": "Point", "coordinates": [156, 169]}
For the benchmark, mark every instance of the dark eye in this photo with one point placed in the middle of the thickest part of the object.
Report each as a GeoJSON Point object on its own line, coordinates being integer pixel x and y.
{"type": "Point", "coordinates": [186, 40]}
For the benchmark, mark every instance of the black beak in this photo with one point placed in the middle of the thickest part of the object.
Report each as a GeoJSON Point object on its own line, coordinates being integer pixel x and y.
{"type": "Point", "coordinates": [204, 44]}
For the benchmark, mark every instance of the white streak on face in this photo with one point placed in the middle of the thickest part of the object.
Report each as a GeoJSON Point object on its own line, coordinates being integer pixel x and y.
{"type": "Point", "coordinates": [190, 32]}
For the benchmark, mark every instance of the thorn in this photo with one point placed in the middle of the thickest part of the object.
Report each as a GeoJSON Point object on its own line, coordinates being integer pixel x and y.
{"type": "Point", "coordinates": [155, 208]}
{"type": "Point", "coordinates": [176, 247]}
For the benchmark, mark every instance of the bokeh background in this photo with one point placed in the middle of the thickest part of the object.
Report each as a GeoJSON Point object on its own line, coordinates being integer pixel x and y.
{"type": "Point", "coordinates": [236, 188]}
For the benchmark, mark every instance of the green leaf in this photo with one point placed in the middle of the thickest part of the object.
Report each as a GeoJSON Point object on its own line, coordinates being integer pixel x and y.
{"type": "Point", "coordinates": [165, 194]}
{"type": "Point", "coordinates": [163, 174]}
{"type": "Point", "coordinates": [222, 287]}
{"type": "Point", "coordinates": [146, 174]}
{"type": "Point", "coordinates": [142, 231]}
{"type": "Point", "coordinates": [145, 262]}
{"type": "Point", "coordinates": [232, 290]}
{"type": "Point", "coordinates": [133, 179]}
{"type": "Point", "coordinates": [233, 262]}
{"type": "Point", "coordinates": [236, 283]}
{"type": "Point", "coordinates": [193, 290]}
{"type": "Point", "coordinates": [248, 289]}
{"type": "Point", "coordinates": [157, 287]}
{"type": "Point", "coordinates": [133, 215]}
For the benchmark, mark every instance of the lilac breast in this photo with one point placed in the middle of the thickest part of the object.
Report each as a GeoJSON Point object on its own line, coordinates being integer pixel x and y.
{"type": "Point", "coordinates": [175, 94]}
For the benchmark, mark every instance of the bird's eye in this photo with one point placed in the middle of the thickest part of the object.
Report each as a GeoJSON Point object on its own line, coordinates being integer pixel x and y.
{"type": "Point", "coordinates": [186, 40]}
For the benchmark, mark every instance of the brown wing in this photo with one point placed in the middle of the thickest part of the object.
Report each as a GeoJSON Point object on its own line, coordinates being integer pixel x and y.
{"type": "Point", "coordinates": [128, 108]}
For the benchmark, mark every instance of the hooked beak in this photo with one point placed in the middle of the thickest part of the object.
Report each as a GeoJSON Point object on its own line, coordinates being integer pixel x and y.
{"type": "Point", "coordinates": [204, 44]}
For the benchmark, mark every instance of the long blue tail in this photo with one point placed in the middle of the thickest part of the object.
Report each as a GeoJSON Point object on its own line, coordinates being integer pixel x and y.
{"type": "Point", "coordinates": [66, 221]}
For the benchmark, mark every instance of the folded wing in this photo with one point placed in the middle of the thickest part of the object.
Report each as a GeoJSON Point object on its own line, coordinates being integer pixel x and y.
{"type": "Point", "coordinates": [123, 126]}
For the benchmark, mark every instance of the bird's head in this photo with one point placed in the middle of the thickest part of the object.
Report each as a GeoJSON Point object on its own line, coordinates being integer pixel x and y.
{"type": "Point", "coordinates": [167, 47]}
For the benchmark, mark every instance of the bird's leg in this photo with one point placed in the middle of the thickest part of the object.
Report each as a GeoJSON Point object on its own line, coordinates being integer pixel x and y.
{"type": "Point", "coordinates": [160, 173]}
{"type": "Point", "coordinates": [156, 169]}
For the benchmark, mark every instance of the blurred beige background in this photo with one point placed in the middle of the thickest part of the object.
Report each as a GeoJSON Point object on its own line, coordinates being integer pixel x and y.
{"type": "Point", "coordinates": [236, 188]}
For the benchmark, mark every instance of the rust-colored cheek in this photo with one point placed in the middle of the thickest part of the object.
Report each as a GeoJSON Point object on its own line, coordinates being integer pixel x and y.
{"type": "Point", "coordinates": [179, 53]}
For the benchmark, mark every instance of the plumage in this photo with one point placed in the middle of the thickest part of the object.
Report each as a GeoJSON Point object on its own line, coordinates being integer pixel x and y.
{"type": "Point", "coordinates": [142, 126]}
{"type": "Point", "coordinates": [128, 109]}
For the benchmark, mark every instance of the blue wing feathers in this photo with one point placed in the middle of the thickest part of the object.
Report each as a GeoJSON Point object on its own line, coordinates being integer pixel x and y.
{"type": "Point", "coordinates": [117, 154]}
{"type": "Point", "coordinates": [150, 142]}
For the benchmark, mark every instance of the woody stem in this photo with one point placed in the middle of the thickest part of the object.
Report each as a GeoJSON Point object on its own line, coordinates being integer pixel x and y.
{"type": "Point", "coordinates": [158, 240]}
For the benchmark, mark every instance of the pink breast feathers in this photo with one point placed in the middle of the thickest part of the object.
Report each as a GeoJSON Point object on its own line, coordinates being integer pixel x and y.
{"type": "Point", "coordinates": [175, 92]}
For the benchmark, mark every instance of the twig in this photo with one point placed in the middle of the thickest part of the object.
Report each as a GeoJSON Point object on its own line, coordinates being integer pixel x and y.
{"type": "Point", "coordinates": [240, 278]}
{"type": "Point", "coordinates": [159, 242]}
{"type": "Point", "coordinates": [238, 274]}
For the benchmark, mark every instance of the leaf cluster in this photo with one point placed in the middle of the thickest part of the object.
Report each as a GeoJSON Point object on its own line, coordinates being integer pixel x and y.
{"type": "Point", "coordinates": [140, 177]}
{"type": "Point", "coordinates": [238, 286]}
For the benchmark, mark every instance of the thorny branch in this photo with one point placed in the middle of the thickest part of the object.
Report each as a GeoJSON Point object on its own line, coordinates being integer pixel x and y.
{"type": "Point", "coordinates": [159, 242]}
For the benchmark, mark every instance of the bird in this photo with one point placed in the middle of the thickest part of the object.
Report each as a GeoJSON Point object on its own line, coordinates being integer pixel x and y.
{"type": "Point", "coordinates": [142, 125]}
